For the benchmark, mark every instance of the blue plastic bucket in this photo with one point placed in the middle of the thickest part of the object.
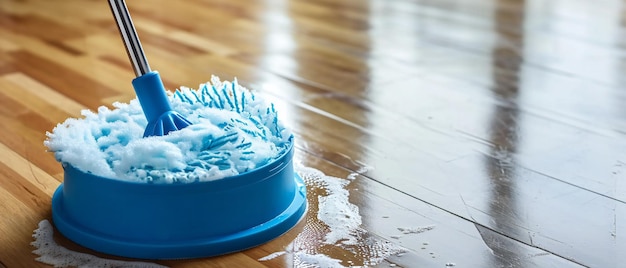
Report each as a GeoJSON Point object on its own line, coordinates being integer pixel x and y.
{"type": "Point", "coordinates": [172, 221]}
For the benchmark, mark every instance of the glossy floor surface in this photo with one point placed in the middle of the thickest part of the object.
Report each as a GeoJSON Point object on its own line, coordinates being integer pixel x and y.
{"type": "Point", "coordinates": [500, 122]}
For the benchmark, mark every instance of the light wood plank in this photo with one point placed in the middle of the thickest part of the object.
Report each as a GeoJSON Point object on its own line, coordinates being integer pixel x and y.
{"type": "Point", "coordinates": [37, 89]}
{"type": "Point", "coordinates": [28, 171]}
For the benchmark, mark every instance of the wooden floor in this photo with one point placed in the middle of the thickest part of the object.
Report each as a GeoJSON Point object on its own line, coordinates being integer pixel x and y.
{"type": "Point", "coordinates": [500, 122]}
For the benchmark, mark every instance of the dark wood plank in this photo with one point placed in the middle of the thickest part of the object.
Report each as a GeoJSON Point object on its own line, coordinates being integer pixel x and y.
{"type": "Point", "coordinates": [62, 79]}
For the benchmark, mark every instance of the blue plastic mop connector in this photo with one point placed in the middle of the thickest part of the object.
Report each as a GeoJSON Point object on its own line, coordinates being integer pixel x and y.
{"type": "Point", "coordinates": [153, 99]}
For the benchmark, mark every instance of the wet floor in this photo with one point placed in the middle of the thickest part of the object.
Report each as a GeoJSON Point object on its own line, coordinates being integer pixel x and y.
{"type": "Point", "coordinates": [501, 123]}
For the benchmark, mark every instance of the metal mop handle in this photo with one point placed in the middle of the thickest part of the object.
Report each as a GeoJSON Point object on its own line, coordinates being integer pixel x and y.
{"type": "Point", "coordinates": [129, 35]}
{"type": "Point", "coordinates": [148, 84]}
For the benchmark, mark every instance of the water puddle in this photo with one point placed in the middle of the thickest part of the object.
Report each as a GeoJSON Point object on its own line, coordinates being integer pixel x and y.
{"type": "Point", "coordinates": [332, 236]}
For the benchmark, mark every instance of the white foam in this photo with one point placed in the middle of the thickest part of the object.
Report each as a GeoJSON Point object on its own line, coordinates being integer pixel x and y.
{"type": "Point", "coordinates": [336, 211]}
{"type": "Point", "coordinates": [51, 253]}
{"type": "Point", "coordinates": [337, 225]}
{"type": "Point", "coordinates": [362, 169]}
{"type": "Point", "coordinates": [306, 260]}
{"type": "Point", "coordinates": [273, 256]}
{"type": "Point", "coordinates": [416, 230]}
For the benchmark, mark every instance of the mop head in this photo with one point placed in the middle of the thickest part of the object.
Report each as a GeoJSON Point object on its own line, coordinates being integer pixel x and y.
{"type": "Point", "coordinates": [233, 132]}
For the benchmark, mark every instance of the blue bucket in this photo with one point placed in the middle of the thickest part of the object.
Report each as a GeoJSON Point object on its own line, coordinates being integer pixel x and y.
{"type": "Point", "coordinates": [174, 221]}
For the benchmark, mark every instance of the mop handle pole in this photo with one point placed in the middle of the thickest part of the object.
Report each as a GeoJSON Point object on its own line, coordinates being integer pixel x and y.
{"type": "Point", "coordinates": [130, 38]}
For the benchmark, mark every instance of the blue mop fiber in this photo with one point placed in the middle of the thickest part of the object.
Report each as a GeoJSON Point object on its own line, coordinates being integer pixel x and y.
{"type": "Point", "coordinates": [148, 85]}
{"type": "Point", "coordinates": [234, 131]}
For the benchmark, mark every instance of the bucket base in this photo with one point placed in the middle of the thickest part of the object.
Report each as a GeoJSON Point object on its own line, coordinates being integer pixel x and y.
{"type": "Point", "coordinates": [196, 248]}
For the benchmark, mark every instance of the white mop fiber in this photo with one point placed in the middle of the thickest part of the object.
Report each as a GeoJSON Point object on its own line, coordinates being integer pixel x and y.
{"type": "Point", "coordinates": [233, 132]}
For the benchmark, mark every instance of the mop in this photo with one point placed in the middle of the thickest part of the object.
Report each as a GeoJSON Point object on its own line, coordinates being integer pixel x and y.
{"type": "Point", "coordinates": [212, 178]}
{"type": "Point", "coordinates": [148, 85]}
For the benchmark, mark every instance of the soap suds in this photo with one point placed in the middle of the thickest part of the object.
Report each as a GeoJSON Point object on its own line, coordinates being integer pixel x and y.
{"type": "Point", "coordinates": [336, 227]}
{"type": "Point", "coordinates": [233, 132]}
{"type": "Point", "coordinates": [51, 253]}
{"type": "Point", "coordinates": [273, 256]}
{"type": "Point", "coordinates": [305, 260]}
{"type": "Point", "coordinates": [341, 216]}
{"type": "Point", "coordinates": [416, 230]}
